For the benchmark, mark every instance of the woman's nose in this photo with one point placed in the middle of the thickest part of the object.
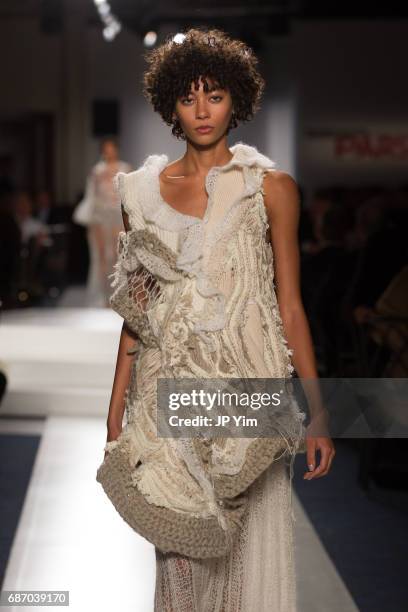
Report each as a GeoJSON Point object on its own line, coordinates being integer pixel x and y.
{"type": "Point", "coordinates": [202, 110]}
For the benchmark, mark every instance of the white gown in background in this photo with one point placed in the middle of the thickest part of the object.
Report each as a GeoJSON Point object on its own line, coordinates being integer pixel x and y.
{"type": "Point", "coordinates": [103, 210]}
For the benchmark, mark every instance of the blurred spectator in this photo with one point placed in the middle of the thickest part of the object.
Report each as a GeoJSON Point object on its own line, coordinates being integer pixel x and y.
{"type": "Point", "coordinates": [43, 206]}
{"type": "Point", "coordinates": [320, 204]}
{"type": "Point", "coordinates": [389, 324]}
{"type": "Point", "coordinates": [369, 217]}
{"type": "Point", "coordinates": [324, 277]}
{"type": "Point", "coordinates": [30, 227]}
{"type": "Point", "coordinates": [381, 250]}
{"type": "Point", "coordinates": [34, 244]}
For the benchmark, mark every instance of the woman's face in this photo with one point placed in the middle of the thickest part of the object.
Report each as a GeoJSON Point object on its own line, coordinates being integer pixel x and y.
{"type": "Point", "coordinates": [199, 108]}
{"type": "Point", "coordinates": [109, 151]}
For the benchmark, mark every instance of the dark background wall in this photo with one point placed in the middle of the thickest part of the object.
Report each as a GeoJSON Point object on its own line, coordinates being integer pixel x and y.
{"type": "Point", "coordinates": [326, 78]}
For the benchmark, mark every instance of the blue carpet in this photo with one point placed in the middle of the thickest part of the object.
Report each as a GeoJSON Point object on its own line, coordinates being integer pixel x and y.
{"type": "Point", "coordinates": [366, 537]}
{"type": "Point", "coordinates": [17, 455]}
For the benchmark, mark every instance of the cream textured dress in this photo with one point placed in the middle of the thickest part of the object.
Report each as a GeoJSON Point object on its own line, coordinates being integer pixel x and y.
{"type": "Point", "coordinates": [210, 310]}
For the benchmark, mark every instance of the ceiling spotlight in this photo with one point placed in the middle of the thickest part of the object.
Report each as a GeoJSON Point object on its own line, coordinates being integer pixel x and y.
{"type": "Point", "coordinates": [150, 39]}
{"type": "Point", "coordinates": [112, 24]}
{"type": "Point", "coordinates": [110, 31]}
{"type": "Point", "coordinates": [179, 38]}
{"type": "Point", "coordinates": [104, 9]}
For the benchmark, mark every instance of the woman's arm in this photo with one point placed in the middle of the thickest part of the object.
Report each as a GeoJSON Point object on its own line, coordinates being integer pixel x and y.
{"type": "Point", "coordinates": [283, 210]}
{"type": "Point", "coordinates": [282, 205]}
{"type": "Point", "coordinates": [122, 374]}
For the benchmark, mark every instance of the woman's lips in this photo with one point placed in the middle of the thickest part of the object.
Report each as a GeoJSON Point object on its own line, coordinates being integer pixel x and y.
{"type": "Point", "coordinates": [204, 130]}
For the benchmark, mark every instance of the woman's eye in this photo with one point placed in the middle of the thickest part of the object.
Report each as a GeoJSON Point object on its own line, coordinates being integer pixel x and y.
{"type": "Point", "coordinates": [192, 100]}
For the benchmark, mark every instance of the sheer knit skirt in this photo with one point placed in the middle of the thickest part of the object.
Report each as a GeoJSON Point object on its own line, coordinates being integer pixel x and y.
{"type": "Point", "coordinates": [259, 572]}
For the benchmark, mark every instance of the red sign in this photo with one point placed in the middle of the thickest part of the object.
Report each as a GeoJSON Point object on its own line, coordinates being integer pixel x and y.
{"type": "Point", "coordinates": [371, 146]}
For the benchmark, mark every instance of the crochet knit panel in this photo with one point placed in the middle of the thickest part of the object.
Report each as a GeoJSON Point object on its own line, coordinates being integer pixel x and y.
{"type": "Point", "coordinates": [144, 277]}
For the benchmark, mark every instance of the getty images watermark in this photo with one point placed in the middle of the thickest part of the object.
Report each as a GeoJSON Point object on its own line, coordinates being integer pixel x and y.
{"type": "Point", "coordinates": [258, 407]}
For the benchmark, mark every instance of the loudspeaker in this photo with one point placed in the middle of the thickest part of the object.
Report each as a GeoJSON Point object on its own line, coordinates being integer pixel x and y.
{"type": "Point", "coordinates": [105, 118]}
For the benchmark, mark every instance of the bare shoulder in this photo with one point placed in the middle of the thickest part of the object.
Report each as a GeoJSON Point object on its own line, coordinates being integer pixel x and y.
{"type": "Point", "coordinates": [281, 192]}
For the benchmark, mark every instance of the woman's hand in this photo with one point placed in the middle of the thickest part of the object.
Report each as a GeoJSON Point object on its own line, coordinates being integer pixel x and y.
{"type": "Point", "coordinates": [327, 452]}
{"type": "Point", "coordinates": [114, 430]}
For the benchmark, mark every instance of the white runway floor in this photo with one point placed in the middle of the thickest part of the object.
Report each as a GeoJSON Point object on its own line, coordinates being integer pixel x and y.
{"type": "Point", "coordinates": [69, 536]}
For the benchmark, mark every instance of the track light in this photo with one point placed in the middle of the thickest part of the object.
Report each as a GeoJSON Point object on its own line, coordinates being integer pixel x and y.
{"type": "Point", "coordinates": [112, 24]}
{"type": "Point", "coordinates": [179, 38]}
{"type": "Point", "coordinates": [150, 39]}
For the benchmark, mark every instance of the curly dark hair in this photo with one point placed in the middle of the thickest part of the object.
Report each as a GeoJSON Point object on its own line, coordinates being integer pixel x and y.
{"type": "Point", "coordinates": [205, 53]}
